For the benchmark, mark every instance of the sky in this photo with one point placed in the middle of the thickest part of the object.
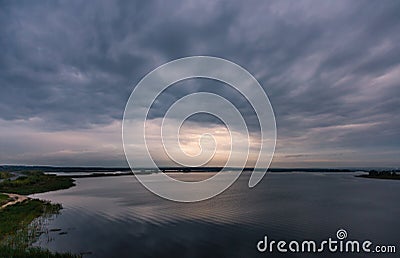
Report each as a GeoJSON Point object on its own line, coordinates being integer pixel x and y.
{"type": "Point", "coordinates": [331, 70]}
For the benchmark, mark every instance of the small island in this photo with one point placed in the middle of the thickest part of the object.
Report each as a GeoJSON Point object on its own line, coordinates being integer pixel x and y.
{"type": "Point", "coordinates": [394, 175]}
{"type": "Point", "coordinates": [21, 217]}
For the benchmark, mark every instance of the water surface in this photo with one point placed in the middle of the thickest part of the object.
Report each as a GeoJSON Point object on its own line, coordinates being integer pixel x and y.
{"type": "Point", "coordinates": [118, 217]}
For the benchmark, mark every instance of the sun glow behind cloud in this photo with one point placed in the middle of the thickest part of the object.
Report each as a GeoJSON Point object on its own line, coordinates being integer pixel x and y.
{"type": "Point", "coordinates": [194, 143]}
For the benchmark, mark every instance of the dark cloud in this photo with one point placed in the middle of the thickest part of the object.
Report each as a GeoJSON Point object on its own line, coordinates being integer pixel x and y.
{"type": "Point", "coordinates": [331, 69]}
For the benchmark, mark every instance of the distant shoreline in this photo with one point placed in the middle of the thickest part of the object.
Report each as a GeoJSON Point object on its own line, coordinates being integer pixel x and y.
{"type": "Point", "coordinates": [87, 172]}
{"type": "Point", "coordinates": [55, 169]}
{"type": "Point", "coordinates": [185, 170]}
{"type": "Point", "coordinates": [390, 177]}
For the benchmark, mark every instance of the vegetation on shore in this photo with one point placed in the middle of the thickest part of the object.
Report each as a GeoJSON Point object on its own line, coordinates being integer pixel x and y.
{"type": "Point", "coordinates": [5, 174]}
{"type": "Point", "coordinates": [3, 199]}
{"type": "Point", "coordinates": [32, 252]}
{"type": "Point", "coordinates": [22, 223]}
{"type": "Point", "coordinates": [35, 182]}
{"type": "Point", "coordinates": [20, 215]}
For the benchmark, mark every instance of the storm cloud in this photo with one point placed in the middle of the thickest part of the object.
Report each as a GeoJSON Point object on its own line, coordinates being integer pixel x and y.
{"type": "Point", "coordinates": [331, 71]}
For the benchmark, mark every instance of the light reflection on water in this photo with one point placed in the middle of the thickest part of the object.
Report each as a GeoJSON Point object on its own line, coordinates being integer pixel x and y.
{"type": "Point", "coordinates": [118, 217]}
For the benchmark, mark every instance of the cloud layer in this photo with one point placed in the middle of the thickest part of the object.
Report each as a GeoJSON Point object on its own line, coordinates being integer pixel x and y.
{"type": "Point", "coordinates": [330, 69]}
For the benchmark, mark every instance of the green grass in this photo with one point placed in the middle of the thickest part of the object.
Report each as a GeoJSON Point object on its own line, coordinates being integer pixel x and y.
{"type": "Point", "coordinates": [32, 252]}
{"type": "Point", "coordinates": [20, 215]}
{"type": "Point", "coordinates": [5, 174]}
{"type": "Point", "coordinates": [3, 199]}
{"type": "Point", "coordinates": [20, 225]}
{"type": "Point", "coordinates": [35, 182]}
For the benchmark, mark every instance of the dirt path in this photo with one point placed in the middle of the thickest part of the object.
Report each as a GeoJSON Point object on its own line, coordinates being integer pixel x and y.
{"type": "Point", "coordinates": [15, 199]}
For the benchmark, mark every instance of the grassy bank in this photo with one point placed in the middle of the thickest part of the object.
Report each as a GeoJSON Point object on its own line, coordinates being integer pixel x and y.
{"type": "Point", "coordinates": [32, 252]}
{"type": "Point", "coordinates": [35, 182]}
{"type": "Point", "coordinates": [5, 174]}
{"type": "Point", "coordinates": [3, 199]}
{"type": "Point", "coordinates": [18, 216]}
{"type": "Point", "coordinates": [21, 224]}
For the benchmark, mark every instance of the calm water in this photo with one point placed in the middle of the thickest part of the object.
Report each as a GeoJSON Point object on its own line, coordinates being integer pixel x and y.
{"type": "Point", "coordinates": [117, 217]}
